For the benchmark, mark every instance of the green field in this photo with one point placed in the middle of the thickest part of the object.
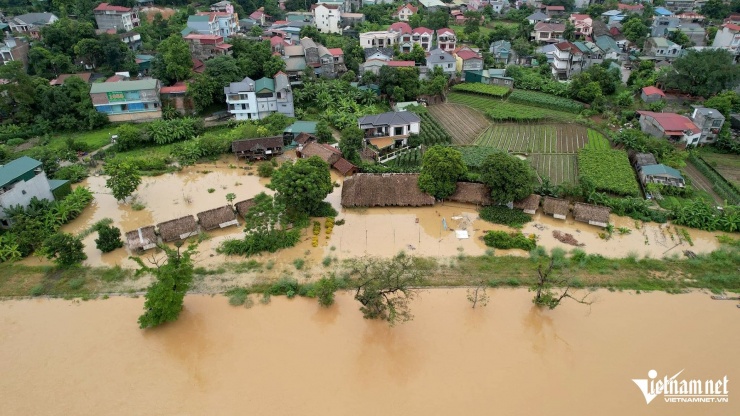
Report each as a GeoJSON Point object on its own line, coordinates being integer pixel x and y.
{"type": "Point", "coordinates": [727, 165]}
{"type": "Point", "coordinates": [499, 110]}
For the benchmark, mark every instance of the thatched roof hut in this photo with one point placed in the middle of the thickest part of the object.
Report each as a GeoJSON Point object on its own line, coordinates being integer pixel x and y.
{"type": "Point", "coordinates": [384, 190]}
{"type": "Point", "coordinates": [243, 206]}
{"type": "Point", "coordinates": [643, 159]}
{"type": "Point", "coordinates": [178, 229]}
{"type": "Point", "coordinates": [471, 193]}
{"type": "Point", "coordinates": [592, 214]}
{"type": "Point", "coordinates": [529, 204]}
{"type": "Point", "coordinates": [556, 207]}
{"type": "Point", "coordinates": [325, 152]}
{"type": "Point", "coordinates": [345, 167]}
{"type": "Point", "coordinates": [142, 238]}
{"type": "Point", "coordinates": [220, 217]}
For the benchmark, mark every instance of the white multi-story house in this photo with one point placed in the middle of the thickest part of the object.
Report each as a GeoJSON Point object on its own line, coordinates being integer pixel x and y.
{"type": "Point", "coordinates": [567, 60]}
{"type": "Point", "coordinates": [255, 100]}
{"type": "Point", "coordinates": [22, 180]}
{"type": "Point", "coordinates": [108, 16]}
{"type": "Point", "coordinates": [327, 18]}
{"type": "Point", "coordinates": [728, 38]}
{"type": "Point", "coordinates": [225, 24]}
{"type": "Point", "coordinates": [422, 36]}
{"type": "Point", "coordinates": [405, 12]}
{"type": "Point", "coordinates": [378, 39]}
{"type": "Point", "coordinates": [390, 129]}
{"type": "Point", "coordinates": [661, 48]}
{"type": "Point", "coordinates": [446, 39]}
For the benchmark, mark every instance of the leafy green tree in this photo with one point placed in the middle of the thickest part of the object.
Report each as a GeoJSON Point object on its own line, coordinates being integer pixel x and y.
{"type": "Point", "coordinates": [351, 142]}
{"type": "Point", "coordinates": [123, 179]}
{"type": "Point", "coordinates": [164, 298]}
{"type": "Point", "coordinates": [303, 185]}
{"type": "Point", "coordinates": [441, 168]}
{"type": "Point", "coordinates": [703, 73]}
{"type": "Point", "coordinates": [203, 90]}
{"type": "Point", "coordinates": [117, 56]}
{"type": "Point", "coordinates": [508, 177]}
{"type": "Point", "coordinates": [48, 64]}
{"type": "Point", "coordinates": [64, 249]}
{"type": "Point", "coordinates": [323, 132]}
{"type": "Point", "coordinates": [251, 56]}
{"type": "Point", "coordinates": [634, 30]}
{"type": "Point", "coordinates": [417, 55]}
{"type": "Point", "coordinates": [230, 197]}
{"type": "Point", "coordinates": [173, 62]}
{"type": "Point", "coordinates": [109, 238]}
{"type": "Point", "coordinates": [407, 79]}
{"type": "Point", "coordinates": [272, 66]}
{"type": "Point", "coordinates": [324, 289]}
{"type": "Point", "coordinates": [472, 22]}
{"type": "Point", "coordinates": [62, 35]}
{"type": "Point", "coordinates": [570, 32]}
{"type": "Point", "coordinates": [680, 38]}
{"type": "Point", "coordinates": [715, 9]}
{"type": "Point", "coordinates": [312, 32]}
{"type": "Point", "coordinates": [711, 33]}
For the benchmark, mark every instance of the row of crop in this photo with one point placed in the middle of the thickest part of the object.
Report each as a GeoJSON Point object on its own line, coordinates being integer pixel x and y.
{"type": "Point", "coordinates": [597, 140]}
{"type": "Point", "coordinates": [483, 89]}
{"type": "Point", "coordinates": [507, 111]}
{"type": "Point", "coordinates": [608, 170]}
{"type": "Point", "coordinates": [543, 100]}
{"type": "Point", "coordinates": [431, 132]}
{"type": "Point", "coordinates": [474, 156]}
{"type": "Point", "coordinates": [409, 159]}
{"type": "Point", "coordinates": [720, 185]}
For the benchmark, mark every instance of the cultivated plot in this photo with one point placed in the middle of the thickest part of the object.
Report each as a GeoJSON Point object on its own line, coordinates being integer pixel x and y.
{"type": "Point", "coordinates": [463, 123]}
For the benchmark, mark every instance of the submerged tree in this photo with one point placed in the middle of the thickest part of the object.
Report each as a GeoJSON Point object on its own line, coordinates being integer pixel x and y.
{"type": "Point", "coordinates": [64, 249]}
{"type": "Point", "coordinates": [477, 295]}
{"type": "Point", "coordinates": [164, 298]}
{"type": "Point", "coordinates": [386, 287]}
{"type": "Point", "coordinates": [546, 288]}
{"type": "Point", "coordinates": [303, 185]}
{"type": "Point", "coordinates": [109, 238]}
{"type": "Point", "coordinates": [440, 170]}
{"type": "Point", "coordinates": [123, 180]}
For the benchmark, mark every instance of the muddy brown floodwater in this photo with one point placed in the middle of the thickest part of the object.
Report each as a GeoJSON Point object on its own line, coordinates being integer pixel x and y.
{"type": "Point", "coordinates": [293, 358]}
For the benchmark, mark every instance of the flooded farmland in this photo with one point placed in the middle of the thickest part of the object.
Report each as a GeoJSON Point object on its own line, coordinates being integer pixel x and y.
{"type": "Point", "coordinates": [292, 357]}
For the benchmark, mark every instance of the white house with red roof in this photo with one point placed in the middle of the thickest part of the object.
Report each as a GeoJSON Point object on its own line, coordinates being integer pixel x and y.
{"type": "Point", "coordinates": [468, 59]}
{"type": "Point", "coordinates": [108, 16]}
{"type": "Point", "coordinates": [674, 127]}
{"type": "Point", "coordinates": [403, 13]}
{"type": "Point", "coordinates": [446, 39]}
{"type": "Point", "coordinates": [567, 60]}
{"type": "Point", "coordinates": [728, 38]}
{"type": "Point", "coordinates": [327, 17]}
{"type": "Point", "coordinates": [651, 94]}
{"type": "Point", "coordinates": [583, 24]}
{"type": "Point", "coordinates": [423, 36]}
{"type": "Point", "coordinates": [260, 16]}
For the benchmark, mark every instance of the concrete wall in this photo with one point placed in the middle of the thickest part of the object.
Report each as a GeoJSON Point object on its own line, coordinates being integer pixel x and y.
{"type": "Point", "coordinates": [22, 192]}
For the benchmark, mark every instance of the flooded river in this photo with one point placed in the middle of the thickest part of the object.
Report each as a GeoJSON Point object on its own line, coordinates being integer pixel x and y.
{"type": "Point", "coordinates": [292, 358]}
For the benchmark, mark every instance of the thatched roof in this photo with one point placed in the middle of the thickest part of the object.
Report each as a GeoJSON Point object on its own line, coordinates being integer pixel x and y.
{"type": "Point", "coordinates": [471, 193]}
{"type": "Point", "coordinates": [344, 166]}
{"type": "Point", "coordinates": [213, 218]}
{"type": "Point", "coordinates": [251, 145]}
{"type": "Point", "coordinates": [140, 237]}
{"type": "Point", "coordinates": [172, 230]}
{"type": "Point", "coordinates": [644, 159]}
{"type": "Point", "coordinates": [530, 203]}
{"type": "Point", "coordinates": [327, 153]}
{"type": "Point", "coordinates": [304, 138]}
{"type": "Point", "coordinates": [382, 190]}
{"type": "Point", "coordinates": [555, 206]}
{"type": "Point", "coordinates": [587, 212]}
{"type": "Point", "coordinates": [243, 206]}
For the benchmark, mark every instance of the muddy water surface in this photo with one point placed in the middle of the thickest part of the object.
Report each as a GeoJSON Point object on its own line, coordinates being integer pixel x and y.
{"type": "Point", "coordinates": [291, 357]}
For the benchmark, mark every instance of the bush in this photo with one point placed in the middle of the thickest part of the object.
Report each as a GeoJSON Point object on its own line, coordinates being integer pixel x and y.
{"type": "Point", "coordinates": [324, 290]}
{"type": "Point", "coordinates": [109, 238]}
{"type": "Point", "coordinates": [265, 170]}
{"type": "Point", "coordinates": [505, 241]}
{"type": "Point", "coordinates": [73, 173]}
{"type": "Point", "coordinates": [254, 244]}
{"type": "Point", "coordinates": [285, 286]}
{"type": "Point", "coordinates": [498, 214]}
{"type": "Point", "coordinates": [608, 170]}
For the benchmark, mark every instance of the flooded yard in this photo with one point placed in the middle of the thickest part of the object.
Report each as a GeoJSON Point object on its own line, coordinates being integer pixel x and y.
{"type": "Point", "coordinates": [292, 357]}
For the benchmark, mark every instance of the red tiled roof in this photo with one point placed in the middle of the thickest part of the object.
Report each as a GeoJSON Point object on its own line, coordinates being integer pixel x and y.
{"type": "Point", "coordinates": [203, 37]}
{"type": "Point", "coordinates": [177, 87]}
{"type": "Point", "coordinates": [275, 40]}
{"type": "Point", "coordinates": [336, 51]}
{"type": "Point", "coordinates": [615, 31]}
{"type": "Point", "coordinates": [445, 30]}
{"type": "Point", "coordinates": [466, 54]}
{"type": "Point", "coordinates": [630, 7]}
{"type": "Point", "coordinates": [422, 30]}
{"type": "Point", "coordinates": [672, 123]}
{"type": "Point", "coordinates": [578, 16]}
{"type": "Point", "coordinates": [652, 91]}
{"type": "Point", "coordinates": [401, 63]}
{"type": "Point", "coordinates": [344, 166]}
{"type": "Point", "coordinates": [281, 22]}
{"type": "Point", "coordinates": [105, 7]}
{"type": "Point", "coordinates": [549, 27]}
{"type": "Point", "coordinates": [732, 26]}
{"type": "Point", "coordinates": [198, 66]}
{"type": "Point", "coordinates": [224, 46]}
{"type": "Point", "coordinates": [555, 8]}
{"type": "Point", "coordinates": [408, 6]}
{"type": "Point", "coordinates": [114, 78]}
{"type": "Point", "coordinates": [401, 27]}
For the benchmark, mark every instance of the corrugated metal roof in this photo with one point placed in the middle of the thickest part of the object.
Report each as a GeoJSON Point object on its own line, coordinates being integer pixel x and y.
{"type": "Point", "coordinates": [143, 84]}
{"type": "Point", "coordinates": [661, 170]}
{"type": "Point", "coordinates": [16, 168]}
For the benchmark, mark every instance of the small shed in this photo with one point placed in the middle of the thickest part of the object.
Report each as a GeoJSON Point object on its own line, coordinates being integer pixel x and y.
{"type": "Point", "coordinates": [471, 193]}
{"type": "Point", "coordinates": [178, 229]}
{"type": "Point", "coordinates": [652, 94]}
{"type": "Point", "coordinates": [243, 206]}
{"type": "Point", "coordinates": [220, 217]}
{"type": "Point", "coordinates": [529, 204]}
{"type": "Point", "coordinates": [384, 190]}
{"type": "Point", "coordinates": [556, 207]}
{"type": "Point", "coordinates": [141, 239]}
{"type": "Point", "coordinates": [643, 159]}
{"type": "Point", "coordinates": [345, 167]}
{"type": "Point", "coordinates": [591, 214]}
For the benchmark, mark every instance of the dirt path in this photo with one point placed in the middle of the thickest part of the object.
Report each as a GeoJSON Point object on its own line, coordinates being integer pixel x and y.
{"type": "Point", "coordinates": [701, 182]}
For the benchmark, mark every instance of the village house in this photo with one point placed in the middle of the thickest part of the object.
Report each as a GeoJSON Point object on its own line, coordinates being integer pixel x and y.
{"type": "Point", "coordinates": [567, 60]}
{"type": "Point", "coordinates": [609, 46]}
{"type": "Point", "coordinates": [384, 190]}
{"type": "Point", "coordinates": [471, 193]}
{"type": "Point", "coordinates": [260, 17]}
{"type": "Point", "coordinates": [379, 39]}
{"type": "Point", "coordinates": [177, 97]}
{"type": "Point", "coordinates": [674, 127]}
{"type": "Point", "coordinates": [432, 5]}
{"type": "Point", "coordinates": [374, 65]}
{"type": "Point", "coordinates": [178, 229]}
{"type": "Point", "coordinates": [556, 207]}
{"type": "Point", "coordinates": [583, 24]}
{"type": "Point", "coordinates": [421, 36]}
{"type": "Point", "coordinates": [661, 48]}
{"type": "Point", "coordinates": [255, 100]}
{"type": "Point", "coordinates": [591, 214]}
{"type": "Point", "coordinates": [553, 11]}
{"type": "Point", "coordinates": [219, 23]}
{"type": "Point", "coordinates": [142, 239]}
{"type": "Point", "coordinates": [385, 54]}
{"type": "Point", "coordinates": [630, 8]}
{"type": "Point", "coordinates": [490, 76]}
{"type": "Point", "coordinates": [663, 24]}
{"type": "Point", "coordinates": [298, 128]}
{"type": "Point", "coordinates": [592, 54]}
{"type": "Point", "coordinates": [14, 49]}
{"type": "Point", "coordinates": [501, 52]}
{"type": "Point", "coordinates": [467, 59]}
{"type": "Point", "coordinates": [652, 94]}
{"type": "Point", "coordinates": [439, 58]}
{"type": "Point", "coordinates": [31, 23]}
{"type": "Point", "coordinates": [24, 179]}
{"type": "Point", "coordinates": [345, 167]}
{"type": "Point", "coordinates": [660, 174]}
{"type": "Point", "coordinates": [242, 207]}
{"type": "Point", "coordinates": [446, 39]}
{"type": "Point", "coordinates": [202, 24]}
{"type": "Point", "coordinates": [108, 16]}
{"type": "Point", "coordinates": [529, 204]}
{"type": "Point", "coordinates": [262, 148]}
{"type": "Point", "coordinates": [537, 17]}
{"type": "Point", "coordinates": [204, 47]}
{"type": "Point", "coordinates": [710, 121]}
{"type": "Point", "coordinates": [127, 100]}
{"type": "Point", "coordinates": [613, 16]}
{"type": "Point", "coordinates": [220, 217]}
{"type": "Point", "coordinates": [390, 129]}
{"type": "Point", "coordinates": [131, 39]}
{"type": "Point", "coordinates": [728, 38]}
{"type": "Point", "coordinates": [323, 151]}
{"type": "Point", "coordinates": [548, 32]}
{"type": "Point", "coordinates": [403, 13]}
{"type": "Point", "coordinates": [350, 19]}
{"type": "Point", "coordinates": [327, 18]}
{"type": "Point", "coordinates": [332, 62]}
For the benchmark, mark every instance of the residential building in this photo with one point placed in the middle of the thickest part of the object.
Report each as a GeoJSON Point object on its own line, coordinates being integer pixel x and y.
{"type": "Point", "coordinates": [728, 38]}
{"type": "Point", "coordinates": [467, 59]}
{"type": "Point", "coordinates": [127, 100]}
{"type": "Point", "coordinates": [498, 6]}
{"type": "Point", "coordinates": [432, 5]}
{"type": "Point", "coordinates": [501, 52]}
{"type": "Point", "coordinates": [31, 23]}
{"type": "Point", "coordinates": [661, 48]}
{"type": "Point", "coordinates": [674, 127]}
{"type": "Point", "coordinates": [374, 65]}
{"type": "Point", "coordinates": [390, 129]}
{"type": "Point", "coordinates": [385, 54]}
{"type": "Point", "coordinates": [422, 36]}
{"type": "Point", "coordinates": [260, 17]}
{"type": "Point", "coordinates": [204, 47]}
{"type": "Point", "coordinates": [261, 148]}
{"type": "Point", "coordinates": [439, 58]}
{"type": "Point", "coordinates": [221, 23]}
{"type": "Point", "coordinates": [446, 39]}
{"type": "Point", "coordinates": [332, 62]}
{"type": "Point", "coordinates": [660, 174]}
{"type": "Point", "coordinates": [662, 11]}
{"type": "Point", "coordinates": [710, 121]}
{"type": "Point", "coordinates": [108, 16]}
{"type": "Point", "coordinates": [662, 24]}
{"type": "Point", "coordinates": [222, 7]}
{"type": "Point", "coordinates": [202, 24]}
{"type": "Point", "coordinates": [131, 39]}
{"type": "Point", "coordinates": [678, 5]}
{"type": "Point", "coordinates": [548, 32]}
{"type": "Point", "coordinates": [327, 18]}
{"type": "Point", "coordinates": [22, 180]}
{"type": "Point", "coordinates": [403, 13]}
{"type": "Point", "coordinates": [380, 39]}
{"type": "Point", "coordinates": [612, 16]}
{"type": "Point", "coordinates": [176, 96]}
{"type": "Point", "coordinates": [609, 46]}
{"type": "Point", "coordinates": [583, 24]}
{"type": "Point", "coordinates": [651, 94]}
{"type": "Point", "coordinates": [631, 8]}
{"type": "Point", "coordinates": [592, 54]}
{"type": "Point", "coordinates": [537, 17]}
{"type": "Point", "coordinates": [350, 19]}
{"type": "Point", "coordinates": [255, 100]}
{"type": "Point", "coordinates": [311, 53]}
{"type": "Point", "coordinates": [14, 49]}
{"type": "Point", "coordinates": [554, 10]}
{"type": "Point", "coordinates": [567, 60]}
{"type": "Point", "coordinates": [490, 76]}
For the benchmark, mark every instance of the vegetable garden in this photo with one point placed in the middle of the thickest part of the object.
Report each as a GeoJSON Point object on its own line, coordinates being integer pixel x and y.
{"type": "Point", "coordinates": [432, 132]}
{"type": "Point", "coordinates": [483, 89]}
{"type": "Point", "coordinates": [463, 123]}
{"type": "Point", "coordinates": [539, 99]}
{"type": "Point", "coordinates": [608, 170]}
{"type": "Point", "coordinates": [499, 110]}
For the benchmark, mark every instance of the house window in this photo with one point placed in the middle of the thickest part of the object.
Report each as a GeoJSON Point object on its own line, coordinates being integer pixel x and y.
{"type": "Point", "coordinates": [397, 131]}
{"type": "Point", "coordinates": [717, 123]}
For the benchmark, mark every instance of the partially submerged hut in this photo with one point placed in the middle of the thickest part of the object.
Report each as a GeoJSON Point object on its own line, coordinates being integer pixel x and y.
{"type": "Point", "coordinates": [591, 214]}
{"type": "Point", "coordinates": [384, 190]}
{"type": "Point", "coordinates": [471, 193]}
{"type": "Point", "coordinates": [556, 207]}
{"type": "Point", "coordinates": [529, 204]}
{"type": "Point", "coordinates": [258, 149]}
{"type": "Point", "coordinates": [325, 152]}
{"type": "Point", "coordinates": [141, 239]}
{"type": "Point", "coordinates": [220, 217]}
{"type": "Point", "coordinates": [243, 206]}
{"type": "Point", "coordinates": [345, 167]}
{"type": "Point", "coordinates": [178, 229]}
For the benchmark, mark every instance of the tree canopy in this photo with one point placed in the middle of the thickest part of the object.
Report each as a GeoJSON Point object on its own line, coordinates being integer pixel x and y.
{"type": "Point", "coordinates": [123, 179]}
{"type": "Point", "coordinates": [509, 177]}
{"type": "Point", "coordinates": [173, 62]}
{"type": "Point", "coordinates": [441, 168]}
{"type": "Point", "coordinates": [303, 185]}
{"type": "Point", "coordinates": [703, 73]}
